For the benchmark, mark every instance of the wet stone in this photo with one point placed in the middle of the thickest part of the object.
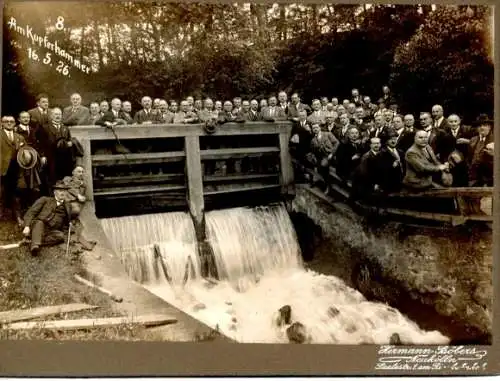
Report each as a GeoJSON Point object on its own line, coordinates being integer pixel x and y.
{"type": "Point", "coordinates": [199, 306]}
{"type": "Point", "coordinates": [296, 333]}
{"type": "Point", "coordinates": [284, 316]}
{"type": "Point", "coordinates": [395, 339]}
{"type": "Point", "coordinates": [333, 312]}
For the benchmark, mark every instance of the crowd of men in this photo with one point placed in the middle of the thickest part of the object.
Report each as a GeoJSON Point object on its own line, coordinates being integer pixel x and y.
{"type": "Point", "coordinates": [372, 147]}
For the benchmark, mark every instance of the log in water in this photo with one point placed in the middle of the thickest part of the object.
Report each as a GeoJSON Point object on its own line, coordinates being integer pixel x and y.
{"type": "Point", "coordinates": [259, 262]}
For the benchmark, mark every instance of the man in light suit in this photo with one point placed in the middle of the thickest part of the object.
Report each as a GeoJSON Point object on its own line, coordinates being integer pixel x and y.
{"type": "Point", "coordinates": [273, 112]}
{"type": "Point", "coordinates": [422, 164]}
{"type": "Point", "coordinates": [40, 114]}
{"type": "Point", "coordinates": [76, 114]}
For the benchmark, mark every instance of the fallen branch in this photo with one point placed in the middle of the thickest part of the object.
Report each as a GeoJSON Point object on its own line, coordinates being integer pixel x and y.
{"type": "Point", "coordinates": [78, 324]}
{"type": "Point", "coordinates": [99, 288]}
{"type": "Point", "coordinates": [13, 245]}
{"type": "Point", "coordinates": [33, 313]}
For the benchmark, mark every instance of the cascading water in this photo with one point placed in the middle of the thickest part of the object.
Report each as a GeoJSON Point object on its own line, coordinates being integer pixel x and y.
{"type": "Point", "coordinates": [260, 268]}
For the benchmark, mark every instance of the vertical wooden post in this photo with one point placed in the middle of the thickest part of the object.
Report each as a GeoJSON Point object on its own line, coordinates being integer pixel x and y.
{"type": "Point", "coordinates": [194, 179]}
{"type": "Point", "coordinates": [196, 204]}
{"type": "Point", "coordinates": [86, 162]}
{"type": "Point", "coordinates": [286, 169]}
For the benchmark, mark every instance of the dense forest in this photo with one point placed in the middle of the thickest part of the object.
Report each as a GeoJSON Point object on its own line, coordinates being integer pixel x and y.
{"type": "Point", "coordinates": [426, 54]}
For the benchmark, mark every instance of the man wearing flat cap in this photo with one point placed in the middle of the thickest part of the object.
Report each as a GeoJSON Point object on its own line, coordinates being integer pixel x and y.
{"type": "Point", "coordinates": [47, 219]}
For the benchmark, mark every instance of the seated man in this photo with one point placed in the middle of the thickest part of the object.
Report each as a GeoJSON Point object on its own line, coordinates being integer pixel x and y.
{"type": "Point", "coordinates": [47, 220]}
{"type": "Point", "coordinates": [76, 197]}
{"type": "Point", "coordinates": [422, 164]}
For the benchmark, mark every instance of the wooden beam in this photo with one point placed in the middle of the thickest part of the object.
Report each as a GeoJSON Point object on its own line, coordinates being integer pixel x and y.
{"type": "Point", "coordinates": [138, 158]}
{"type": "Point", "coordinates": [87, 165]}
{"type": "Point", "coordinates": [236, 178]}
{"type": "Point", "coordinates": [285, 163]}
{"type": "Point", "coordinates": [194, 179]}
{"type": "Point", "coordinates": [229, 153]}
{"type": "Point", "coordinates": [142, 131]}
{"type": "Point", "coordinates": [241, 189]}
{"type": "Point", "coordinates": [138, 190]}
{"type": "Point", "coordinates": [140, 179]}
{"type": "Point", "coordinates": [33, 313]}
{"type": "Point", "coordinates": [71, 325]}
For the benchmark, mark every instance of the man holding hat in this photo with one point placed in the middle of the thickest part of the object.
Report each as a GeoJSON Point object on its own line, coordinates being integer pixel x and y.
{"type": "Point", "coordinates": [29, 180]}
{"type": "Point", "coordinates": [480, 170]}
{"type": "Point", "coordinates": [47, 219]}
{"type": "Point", "coordinates": [10, 143]}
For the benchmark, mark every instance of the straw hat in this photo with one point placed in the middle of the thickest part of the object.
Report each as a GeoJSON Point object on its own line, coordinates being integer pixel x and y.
{"type": "Point", "coordinates": [27, 157]}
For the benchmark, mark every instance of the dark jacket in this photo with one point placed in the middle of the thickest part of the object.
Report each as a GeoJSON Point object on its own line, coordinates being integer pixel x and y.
{"type": "Point", "coordinates": [43, 209]}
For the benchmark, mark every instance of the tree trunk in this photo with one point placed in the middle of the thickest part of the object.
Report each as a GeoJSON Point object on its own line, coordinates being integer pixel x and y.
{"type": "Point", "coordinates": [97, 37]}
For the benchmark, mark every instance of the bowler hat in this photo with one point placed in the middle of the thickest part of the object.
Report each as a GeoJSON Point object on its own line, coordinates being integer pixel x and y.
{"type": "Point", "coordinates": [27, 157]}
{"type": "Point", "coordinates": [483, 119]}
{"type": "Point", "coordinates": [61, 185]}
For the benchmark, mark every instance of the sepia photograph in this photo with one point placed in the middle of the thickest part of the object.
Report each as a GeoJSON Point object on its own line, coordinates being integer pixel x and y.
{"type": "Point", "coordinates": [250, 173]}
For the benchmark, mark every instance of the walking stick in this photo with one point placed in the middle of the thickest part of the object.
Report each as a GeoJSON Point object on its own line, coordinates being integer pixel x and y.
{"type": "Point", "coordinates": [69, 237]}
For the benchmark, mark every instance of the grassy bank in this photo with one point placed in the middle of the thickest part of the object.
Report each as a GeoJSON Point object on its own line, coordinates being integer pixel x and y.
{"type": "Point", "coordinates": [27, 282]}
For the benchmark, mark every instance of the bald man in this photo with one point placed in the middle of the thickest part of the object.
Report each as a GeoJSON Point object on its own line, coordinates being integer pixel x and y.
{"type": "Point", "coordinates": [439, 121]}
{"type": "Point", "coordinates": [422, 165]}
{"type": "Point", "coordinates": [76, 114]}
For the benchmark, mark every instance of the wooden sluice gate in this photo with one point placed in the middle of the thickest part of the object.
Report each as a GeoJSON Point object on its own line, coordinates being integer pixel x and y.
{"type": "Point", "coordinates": [137, 169]}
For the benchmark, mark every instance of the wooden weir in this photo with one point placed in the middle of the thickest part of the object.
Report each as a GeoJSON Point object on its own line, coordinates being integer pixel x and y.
{"type": "Point", "coordinates": [182, 167]}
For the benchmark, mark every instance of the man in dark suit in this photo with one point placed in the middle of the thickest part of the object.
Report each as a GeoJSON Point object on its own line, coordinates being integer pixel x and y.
{"type": "Point", "coordinates": [76, 114]}
{"type": "Point", "coordinates": [437, 137]}
{"type": "Point", "coordinates": [340, 131]}
{"type": "Point", "coordinates": [365, 178]}
{"type": "Point", "coordinates": [356, 98]}
{"type": "Point", "coordinates": [323, 148]}
{"type": "Point", "coordinates": [422, 164]}
{"type": "Point", "coordinates": [10, 142]}
{"type": "Point", "coordinates": [407, 136]}
{"type": "Point", "coordinates": [349, 154]}
{"type": "Point", "coordinates": [295, 107]}
{"type": "Point", "coordinates": [94, 114]}
{"type": "Point", "coordinates": [282, 102]}
{"type": "Point", "coordinates": [113, 117]}
{"type": "Point", "coordinates": [56, 145]}
{"type": "Point", "coordinates": [477, 156]}
{"type": "Point", "coordinates": [227, 115]}
{"type": "Point", "coordinates": [47, 219]}
{"type": "Point", "coordinates": [164, 116]}
{"type": "Point", "coordinates": [300, 141]}
{"type": "Point", "coordinates": [40, 114]}
{"type": "Point", "coordinates": [381, 129]}
{"type": "Point", "coordinates": [127, 111]}
{"type": "Point", "coordinates": [438, 119]}
{"type": "Point", "coordinates": [27, 131]}
{"type": "Point", "coordinates": [390, 165]}
{"type": "Point", "coordinates": [253, 114]}
{"type": "Point", "coordinates": [244, 110]}
{"type": "Point", "coordinates": [146, 115]}
{"type": "Point", "coordinates": [273, 112]}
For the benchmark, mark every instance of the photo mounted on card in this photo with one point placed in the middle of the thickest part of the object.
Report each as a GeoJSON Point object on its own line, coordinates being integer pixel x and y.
{"type": "Point", "coordinates": [182, 180]}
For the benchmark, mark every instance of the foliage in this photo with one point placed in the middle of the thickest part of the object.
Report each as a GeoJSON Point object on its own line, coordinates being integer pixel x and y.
{"type": "Point", "coordinates": [447, 61]}
{"type": "Point", "coordinates": [170, 50]}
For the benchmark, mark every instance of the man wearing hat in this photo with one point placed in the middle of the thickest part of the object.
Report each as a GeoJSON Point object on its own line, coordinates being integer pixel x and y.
{"type": "Point", "coordinates": [477, 157]}
{"type": "Point", "coordinates": [10, 142]}
{"type": "Point", "coordinates": [390, 165]}
{"type": "Point", "coordinates": [47, 219]}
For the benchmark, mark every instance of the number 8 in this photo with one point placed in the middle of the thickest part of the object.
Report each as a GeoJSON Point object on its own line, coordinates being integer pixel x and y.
{"type": "Point", "coordinates": [60, 23]}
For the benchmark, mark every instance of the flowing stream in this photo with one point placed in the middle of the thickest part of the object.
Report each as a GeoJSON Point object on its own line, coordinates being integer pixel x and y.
{"type": "Point", "coordinates": [260, 267]}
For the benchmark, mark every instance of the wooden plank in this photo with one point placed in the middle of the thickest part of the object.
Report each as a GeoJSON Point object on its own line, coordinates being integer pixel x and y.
{"type": "Point", "coordinates": [138, 190]}
{"type": "Point", "coordinates": [71, 325]}
{"type": "Point", "coordinates": [228, 153]}
{"type": "Point", "coordinates": [87, 164]}
{"type": "Point", "coordinates": [241, 189]}
{"type": "Point", "coordinates": [140, 179]}
{"type": "Point", "coordinates": [285, 163]}
{"type": "Point", "coordinates": [138, 158]}
{"type": "Point", "coordinates": [143, 131]}
{"type": "Point", "coordinates": [475, 192]}
{"type": "Point", "coordinates": [236, 178]}
{"type": "Point", "coordinates": [194, 180]}
{"type": "Point", "coordinates": [33, 313]}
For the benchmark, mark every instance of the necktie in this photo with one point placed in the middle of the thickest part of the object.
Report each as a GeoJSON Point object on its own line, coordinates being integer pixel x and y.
{"type": "Point", "coordinates": [10, 135]}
